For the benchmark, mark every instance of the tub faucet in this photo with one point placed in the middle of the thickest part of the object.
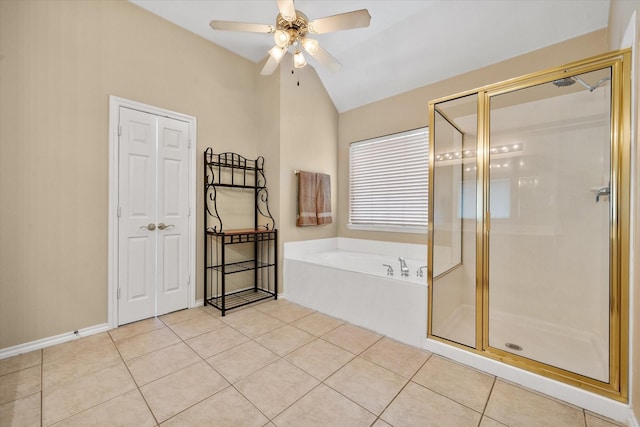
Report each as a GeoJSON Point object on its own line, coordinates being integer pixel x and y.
{"type": "Point", "coordinates": [389, 269]}
{"type": "Point", "coordinates": [420, 273]}
{"type": "Point", "coordinates": [404, 270]}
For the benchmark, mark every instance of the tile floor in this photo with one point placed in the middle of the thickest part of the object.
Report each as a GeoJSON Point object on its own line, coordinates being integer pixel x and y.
{"type": "Point", "coordinates": [272, 364]}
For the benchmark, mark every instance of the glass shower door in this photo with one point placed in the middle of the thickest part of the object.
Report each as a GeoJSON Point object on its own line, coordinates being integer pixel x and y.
{"type": "Point", "coordinates": [453, 182]}
{"type": "Point", "coordinates": [549, 168]}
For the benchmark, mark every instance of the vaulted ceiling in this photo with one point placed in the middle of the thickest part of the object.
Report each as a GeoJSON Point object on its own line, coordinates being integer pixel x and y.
{"type": "Point", "coordinates": [410, 43]}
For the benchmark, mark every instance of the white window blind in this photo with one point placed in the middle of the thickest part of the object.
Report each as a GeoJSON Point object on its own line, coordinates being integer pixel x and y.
{"type": "Point", "coordinates": [389, 182]}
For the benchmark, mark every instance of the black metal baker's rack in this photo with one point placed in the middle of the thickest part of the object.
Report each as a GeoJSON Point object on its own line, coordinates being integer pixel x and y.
{"type": "Point", "coordinates": [233, 171]}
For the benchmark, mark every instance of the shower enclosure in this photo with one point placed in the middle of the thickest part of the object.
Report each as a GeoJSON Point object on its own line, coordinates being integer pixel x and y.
{"type": "Point", "coordinates": [529, 222]}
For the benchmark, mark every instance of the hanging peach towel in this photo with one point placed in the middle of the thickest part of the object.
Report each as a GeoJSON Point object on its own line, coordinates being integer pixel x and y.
{"type": "Point", "coordinates": [307, 194]}
{"type": "Point", "coordinates": [323, 198]}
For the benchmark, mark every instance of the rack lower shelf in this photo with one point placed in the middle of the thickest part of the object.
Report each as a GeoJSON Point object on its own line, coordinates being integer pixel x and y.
{"type": "Point", "coordinates": [238, 267]}
{"type": "Point", "coordinates": [240, 298]}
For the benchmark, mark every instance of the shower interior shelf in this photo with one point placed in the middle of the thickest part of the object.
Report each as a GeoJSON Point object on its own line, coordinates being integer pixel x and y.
{"type": "Point", "coordinates": [247, 254]}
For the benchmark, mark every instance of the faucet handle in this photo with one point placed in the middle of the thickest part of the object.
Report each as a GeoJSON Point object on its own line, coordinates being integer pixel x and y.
{"type": "Point", "coordinates": [389, 269]}
{"type": "Point", "coordinates": [419, 273]}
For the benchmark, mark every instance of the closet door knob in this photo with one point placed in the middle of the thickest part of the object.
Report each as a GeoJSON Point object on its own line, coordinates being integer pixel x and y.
{"type": "Point", "coordinates": [149, 227]}
{"type": "Point", "coordinates": [162, 225]}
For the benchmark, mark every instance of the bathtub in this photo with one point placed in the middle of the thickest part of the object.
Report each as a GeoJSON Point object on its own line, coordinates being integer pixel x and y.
{"type": "Point", "coordinates": [345, 278]}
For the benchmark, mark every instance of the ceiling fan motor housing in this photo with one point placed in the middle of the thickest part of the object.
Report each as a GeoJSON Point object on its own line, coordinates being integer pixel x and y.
{"type": "Point", "coordinates": [297, 29]}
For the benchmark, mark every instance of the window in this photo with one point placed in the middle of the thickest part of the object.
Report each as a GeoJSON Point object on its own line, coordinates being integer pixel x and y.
{"type": "Point", "coordinates": [389, 182]}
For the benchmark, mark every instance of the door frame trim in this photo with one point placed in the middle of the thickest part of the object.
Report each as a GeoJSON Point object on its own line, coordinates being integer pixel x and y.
{"type": "Point", "coordinates": [112, 264]}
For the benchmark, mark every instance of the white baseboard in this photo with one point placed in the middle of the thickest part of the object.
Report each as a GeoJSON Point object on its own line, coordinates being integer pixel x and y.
{"type": "Point", "coordinates": [62, 338]}
{"type": "Point", "coordinates": [57, 339]}
{"type": "Point", "coordinates": [633, 421]}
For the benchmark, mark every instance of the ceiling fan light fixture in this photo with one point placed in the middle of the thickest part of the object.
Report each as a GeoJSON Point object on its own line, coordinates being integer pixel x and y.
{"type": "Point", "coordinates": [310, 45]}
{"type": "Point", "coordinates": [298, 59]}
{"type": "Point", "coordinates": [277, 53]}
{"type": "Point", "coordinates": [282, 38]}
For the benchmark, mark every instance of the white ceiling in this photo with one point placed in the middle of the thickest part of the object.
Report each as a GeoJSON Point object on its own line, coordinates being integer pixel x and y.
{"type": "Point", "coordinates": [410, 43]}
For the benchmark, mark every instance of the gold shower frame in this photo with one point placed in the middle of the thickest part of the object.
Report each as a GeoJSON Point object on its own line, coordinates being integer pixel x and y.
{"type": "Point", "coordinates": [617, 387]}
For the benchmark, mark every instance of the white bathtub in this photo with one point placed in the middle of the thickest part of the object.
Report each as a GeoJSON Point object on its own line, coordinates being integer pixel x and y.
{"type": "Point", "coordinates": [345, 278]}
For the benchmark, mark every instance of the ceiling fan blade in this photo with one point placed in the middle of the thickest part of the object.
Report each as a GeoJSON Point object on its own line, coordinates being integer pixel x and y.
{"type": "Point", "coordinates": [269, 67]}
{"type": "Point", "coordinates": [326, 60]}
{"type": "Point", "coordinates": [241, 26]}
{"type": "Point", "coordinates": [342, 21]}
{"type": "Point", "coordinates": [287, 9]}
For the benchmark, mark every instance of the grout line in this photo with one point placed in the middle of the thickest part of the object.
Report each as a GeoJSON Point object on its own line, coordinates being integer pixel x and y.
{"type": "Point", "coordinates": [134, 381]}
{"type": "Point", "coordinates": [405, 385]}
{"type": "Point", "coordinates": [493, 384]}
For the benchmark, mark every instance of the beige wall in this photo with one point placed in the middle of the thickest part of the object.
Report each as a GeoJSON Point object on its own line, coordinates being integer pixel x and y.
{"type": "Point", "coordinates": [409, 111]}
{"type": "Point", "coordinates": [620, 15]}
{"type": "Point", "coordinates": [298, 128]}
{"type": "Point", "coordinates": [309, 141]}
{"type": "Point", "coordinates": [59, 62]}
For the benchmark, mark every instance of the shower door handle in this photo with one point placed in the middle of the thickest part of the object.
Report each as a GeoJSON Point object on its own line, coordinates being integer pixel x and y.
{"type": "Point", "coordinates": [604, 191]}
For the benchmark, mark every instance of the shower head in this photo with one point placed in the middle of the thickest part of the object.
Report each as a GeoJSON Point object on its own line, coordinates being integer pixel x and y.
{"type": "Point", "coordinates": [567, 81]}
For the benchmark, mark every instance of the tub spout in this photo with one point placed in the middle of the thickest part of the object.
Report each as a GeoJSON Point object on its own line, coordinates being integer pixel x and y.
{"type": "Point", "coordinates": [389, 269]}
{"type": "Point", "coordinates": [420, 273]}
{"type": "Point", "coordinates": [404, 270]}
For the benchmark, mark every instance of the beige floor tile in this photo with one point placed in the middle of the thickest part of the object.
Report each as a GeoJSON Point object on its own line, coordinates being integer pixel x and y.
{"type": "Point", "coordinates": [457, 382]}
{"type": "Point", "coordinates": [253, 323]}
{"type": "Point", "coordinates": [76, 347]}
{"type": "Point", "coordinates": [211, 310]}
{"type": "Point", "coordinates": [273, 388]}
{"type": "Point", "coordinates": [22, 361]}
{"type": "Point", "coordinates": [367, 384]}
{"type": "Point", "coordinates": [128, 409]}
{"type": "Point", "coordinates": [599, 421]}
{"type": "Point", "coordinates": [320, 358]}
{"type": "Point", "coordinates": [418, 406]}
{"type": "Point", "coordinates": [291, 312]}
{"type": "Point", "coordinates": [136, 328]}
{"type": "Point", "coordinates": [160, 363]}
{"type": "Point", "coordinates": [489, 422]}
{"type": "Point", "coordinates": [17, 385]}
{"type": "Point", "coordinates": [23, 412]}
{"type": "Point", "coordinates": [182, 315]}
{"type": "Point", "coordinates": [381, 423]}
{"type": "Point", "coordinates": [271, 305]}
{"type": "Point", "coordinates": [216, 341]}
{"type": "Point", "coordinates": [317, 324]}
{"type": "Point", "coordinates": [516, 406]}
{"type": "Point", "coordinates": [176, 392]}
{"type": "Point", "coordinates": [284, 340]}
{"type": "Point", "coordinates": [397, 357]}
{"type": "Point", "coordinates": [324, 407]}
{"type": "Point", "coordinates": [196, 326]}
{"type": "Point", "coordinates": [227, 408]}
{"type": "Point", "coordinates": [352, 338]}
{"type": "Point", "coordinates": [242, 360]}
{"type": "Point", "coordinates": [80, 364]}
{"type": "Point", "coordinates": [70, 398]}
{"type": "Point", "coordinates": [141, 344]}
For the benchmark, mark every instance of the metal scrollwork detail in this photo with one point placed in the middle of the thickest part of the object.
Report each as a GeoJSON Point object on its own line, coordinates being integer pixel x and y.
{"type": "Point", "coordinates": [233, 170]}
{"type": "Point", "coordinates": [262, 204]}
{"type": "Point", "coordinates": [213, 222]}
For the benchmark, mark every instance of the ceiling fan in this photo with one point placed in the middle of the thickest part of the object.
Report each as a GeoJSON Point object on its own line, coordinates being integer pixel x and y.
{"type": "Point", "coordinates": [291, 30]}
